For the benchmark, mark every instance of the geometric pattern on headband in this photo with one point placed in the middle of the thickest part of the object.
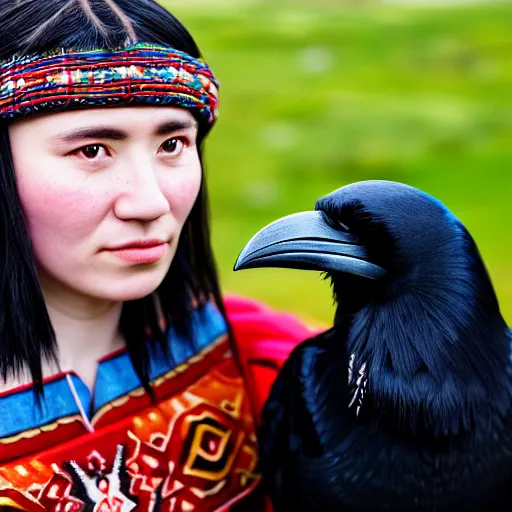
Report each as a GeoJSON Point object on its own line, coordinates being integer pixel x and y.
{"type": "Point", "coordinates": [138, 74]}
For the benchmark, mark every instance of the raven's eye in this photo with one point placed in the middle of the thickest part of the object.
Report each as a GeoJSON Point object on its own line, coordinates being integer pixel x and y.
{"type": "Point", "coordinates": [337, 224]}
{"type": "Point", "coordinates": [342, 226]}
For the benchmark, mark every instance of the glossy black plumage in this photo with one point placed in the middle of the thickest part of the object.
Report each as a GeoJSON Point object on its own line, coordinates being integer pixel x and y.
{"type": "Point", "coordinates": [422, 420]}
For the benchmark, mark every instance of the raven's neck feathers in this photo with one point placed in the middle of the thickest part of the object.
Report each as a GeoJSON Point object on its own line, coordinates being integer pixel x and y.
{"type": "Point", "coordinates": [448, 372]}
{"type": "Point", "coordinates": [435, 346]}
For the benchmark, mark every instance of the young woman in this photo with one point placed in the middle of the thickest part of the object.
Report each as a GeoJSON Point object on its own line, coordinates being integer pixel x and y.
{"type": "Point", "coordinates": [127, 382]}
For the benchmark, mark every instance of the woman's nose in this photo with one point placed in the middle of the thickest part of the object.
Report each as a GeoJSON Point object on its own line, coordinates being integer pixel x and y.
{"type": "Point", "coordinates": [141, 197]}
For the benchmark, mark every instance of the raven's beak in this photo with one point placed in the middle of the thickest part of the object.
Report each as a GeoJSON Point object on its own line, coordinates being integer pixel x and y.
{"type": "Point", "coordinates": [306, 241]}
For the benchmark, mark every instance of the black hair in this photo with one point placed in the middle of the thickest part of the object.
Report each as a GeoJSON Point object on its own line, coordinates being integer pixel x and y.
{"type": "Point", "coordinates": [26, 334]}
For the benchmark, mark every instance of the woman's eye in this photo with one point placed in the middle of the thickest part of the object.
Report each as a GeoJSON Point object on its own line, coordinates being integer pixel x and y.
{"type": "Point", "coordinates": [92, 151]}
{"type": "Point", "coordinates": [173, 146]}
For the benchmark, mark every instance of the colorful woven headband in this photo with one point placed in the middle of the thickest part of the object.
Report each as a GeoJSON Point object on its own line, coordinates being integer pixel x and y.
{"type": "Point", "coordinates": [140, 73]}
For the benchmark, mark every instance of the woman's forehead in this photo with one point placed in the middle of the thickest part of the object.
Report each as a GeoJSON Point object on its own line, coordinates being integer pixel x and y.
{"type": "Point", "coordinates": [134, 120]}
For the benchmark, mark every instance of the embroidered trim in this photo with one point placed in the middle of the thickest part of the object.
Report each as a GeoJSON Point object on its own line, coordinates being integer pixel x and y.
{"type": "Point", "coordinates": [140, 73]}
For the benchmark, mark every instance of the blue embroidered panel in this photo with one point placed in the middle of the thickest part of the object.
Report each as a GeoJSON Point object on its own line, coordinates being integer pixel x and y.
{"type": "Point", "coordinates": [18, 411]}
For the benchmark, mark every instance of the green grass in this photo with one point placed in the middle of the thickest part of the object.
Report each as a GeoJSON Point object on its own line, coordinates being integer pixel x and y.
{"type": "Point", "coordinates": [316, 94]}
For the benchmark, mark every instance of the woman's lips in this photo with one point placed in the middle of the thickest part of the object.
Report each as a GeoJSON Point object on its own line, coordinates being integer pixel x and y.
{"type": "Point", "coordinates": [141, 254]}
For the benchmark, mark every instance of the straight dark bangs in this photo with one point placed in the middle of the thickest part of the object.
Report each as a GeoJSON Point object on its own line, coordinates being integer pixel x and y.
{"type": "Point", "coordinates": [26, 334]}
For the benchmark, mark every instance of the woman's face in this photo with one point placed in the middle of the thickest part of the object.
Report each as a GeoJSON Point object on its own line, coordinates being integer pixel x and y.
{"type": "Point", "coordinates": [105, 193]}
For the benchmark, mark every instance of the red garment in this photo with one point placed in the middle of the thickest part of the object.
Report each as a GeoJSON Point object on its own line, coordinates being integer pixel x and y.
{"type": "Point", "coordinates": [194, 449]}
{"type": "Point", "coordinates": [265, 339]}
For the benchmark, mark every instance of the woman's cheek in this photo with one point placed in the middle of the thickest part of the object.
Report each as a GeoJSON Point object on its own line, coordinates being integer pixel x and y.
{"type": "Point", "coordinates": [182, 193]}
{"type": "Point", "coordinates": [64, 212]}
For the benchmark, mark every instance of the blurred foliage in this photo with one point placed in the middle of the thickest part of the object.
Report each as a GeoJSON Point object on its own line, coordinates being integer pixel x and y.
{"type": "Point", "coordinates": [319, 93]}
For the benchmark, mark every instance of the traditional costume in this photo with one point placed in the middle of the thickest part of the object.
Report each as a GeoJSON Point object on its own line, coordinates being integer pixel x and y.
{"type": "Point", "coordinates": [195, 448]}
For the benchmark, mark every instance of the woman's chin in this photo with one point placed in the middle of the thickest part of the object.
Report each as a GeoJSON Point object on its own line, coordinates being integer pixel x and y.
{"type": "Point", "coordinates": [136, 289]}
{"type": "Point", "coordinates": [122, 288]}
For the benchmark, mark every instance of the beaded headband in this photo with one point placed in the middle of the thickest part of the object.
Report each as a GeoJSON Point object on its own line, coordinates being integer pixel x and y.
{"type": "Point", "coordinates": [139, 74]}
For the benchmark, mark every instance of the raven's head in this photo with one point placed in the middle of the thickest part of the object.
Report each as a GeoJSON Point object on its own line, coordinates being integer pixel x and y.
{"type": "Point", "coordinates": [414, 299]}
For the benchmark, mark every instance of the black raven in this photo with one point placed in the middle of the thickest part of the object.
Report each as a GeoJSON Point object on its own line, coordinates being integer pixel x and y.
{"type": "Point", "coordinates": [405, 403]}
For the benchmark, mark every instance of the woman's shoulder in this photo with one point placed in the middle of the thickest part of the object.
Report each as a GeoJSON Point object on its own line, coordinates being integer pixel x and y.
{"type": "Point", "coordinates": [264, 338]}
{"type": "Point", "coordinates": [14, 383]}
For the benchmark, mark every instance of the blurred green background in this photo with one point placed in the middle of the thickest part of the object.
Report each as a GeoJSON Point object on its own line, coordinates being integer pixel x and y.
{"type": "Point", "coordinates": [319, 93]}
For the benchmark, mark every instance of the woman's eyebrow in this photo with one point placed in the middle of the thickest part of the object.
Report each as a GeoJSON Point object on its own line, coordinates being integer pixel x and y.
{"type": "Point", "coordinates": [92, 132]}
{"type": "Point", "coordinates": [110, 133]}
{"type": "Point", "coordinates": [175, 126]}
